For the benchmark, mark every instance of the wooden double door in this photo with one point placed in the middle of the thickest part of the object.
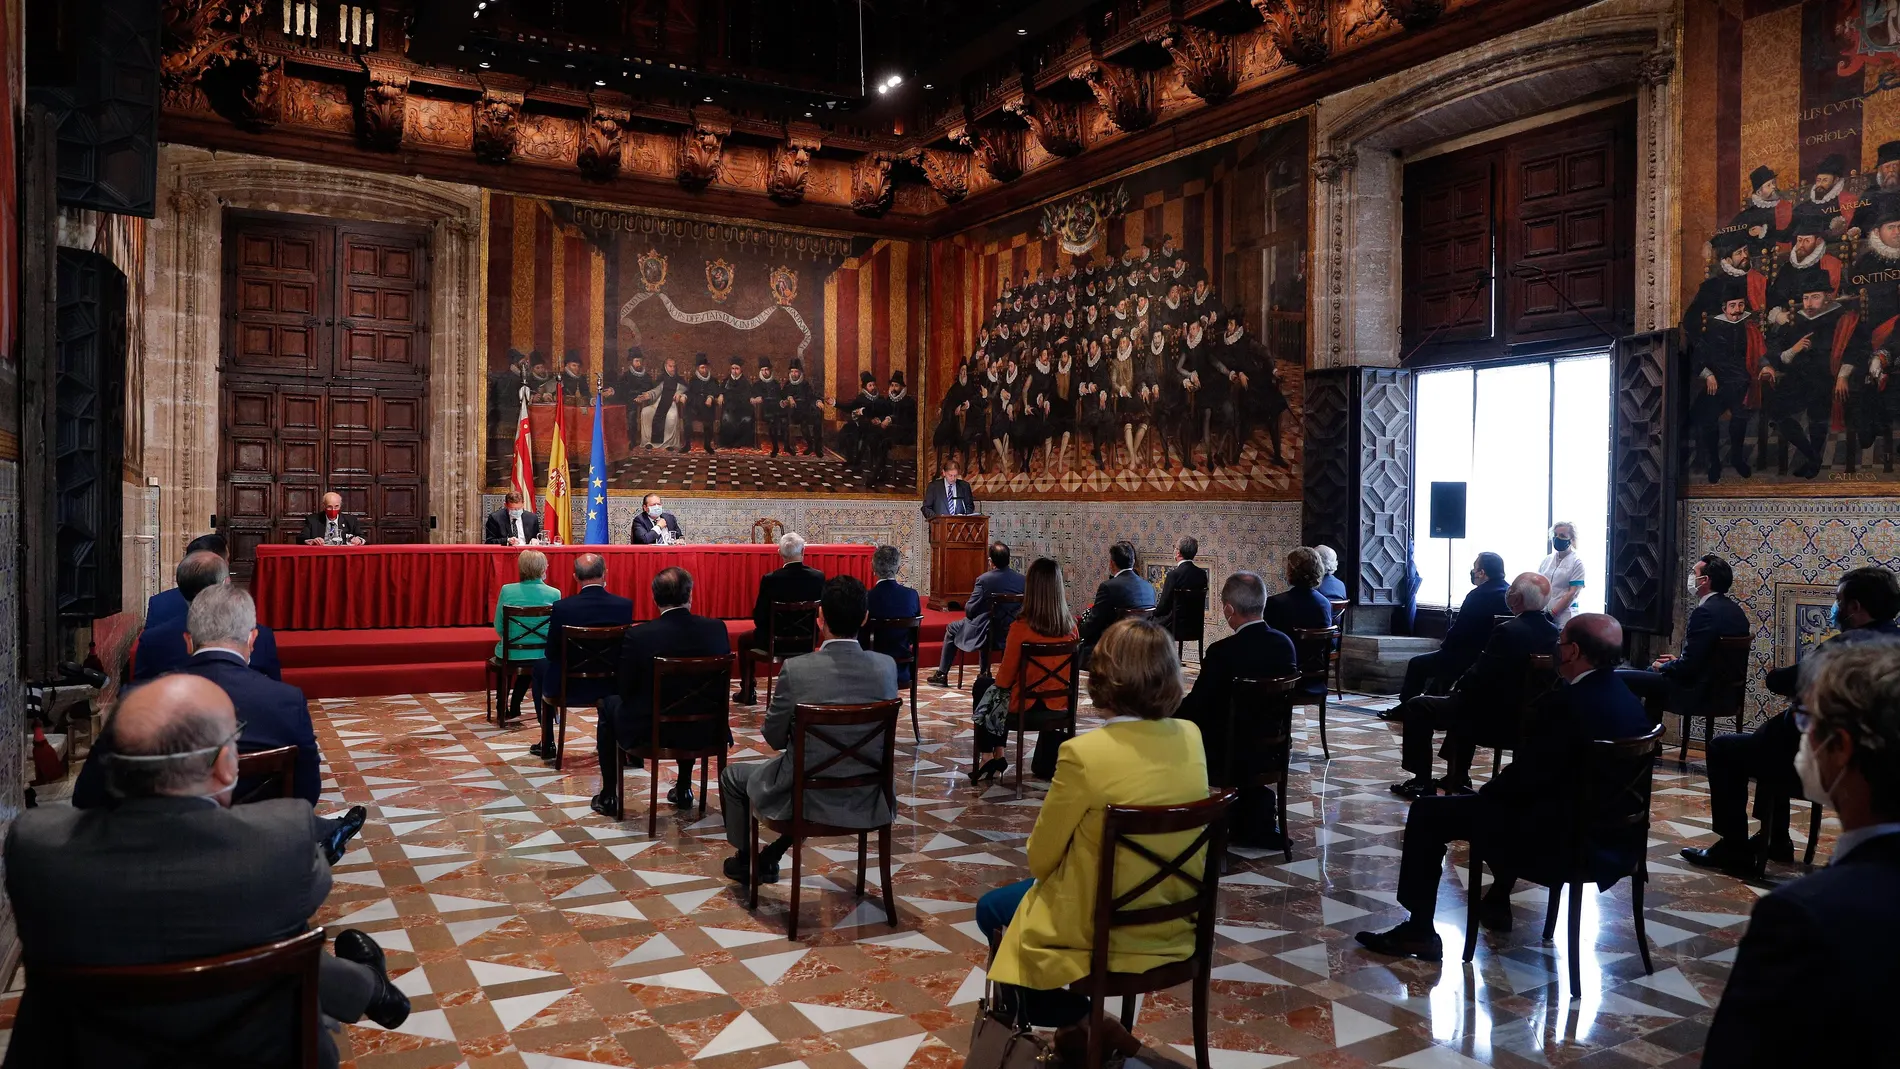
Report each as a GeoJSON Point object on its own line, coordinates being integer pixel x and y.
{"type": "Point", "coordinates": [323, 378]}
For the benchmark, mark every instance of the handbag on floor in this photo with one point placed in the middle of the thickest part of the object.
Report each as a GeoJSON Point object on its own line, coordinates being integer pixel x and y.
{"type": "Point", "coordinates": [996, 1042]}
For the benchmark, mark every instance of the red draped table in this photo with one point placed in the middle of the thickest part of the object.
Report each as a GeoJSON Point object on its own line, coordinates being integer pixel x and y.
{"type": "Point", "coordinates": [329, 587]}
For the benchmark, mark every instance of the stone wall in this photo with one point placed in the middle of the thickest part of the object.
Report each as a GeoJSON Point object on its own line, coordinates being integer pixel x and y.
{"type": "Point", "coordinates": [12, 688]}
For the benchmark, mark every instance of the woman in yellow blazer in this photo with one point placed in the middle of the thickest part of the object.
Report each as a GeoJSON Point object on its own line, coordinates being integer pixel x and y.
{"type": "Point", "coordinates": [531, 591]}
{"type": "Point", "coordinates": [1141, 756]}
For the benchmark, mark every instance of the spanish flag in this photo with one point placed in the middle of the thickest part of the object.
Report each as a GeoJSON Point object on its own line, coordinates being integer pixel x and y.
{"type": "Point", "coordinates": [557, 519]}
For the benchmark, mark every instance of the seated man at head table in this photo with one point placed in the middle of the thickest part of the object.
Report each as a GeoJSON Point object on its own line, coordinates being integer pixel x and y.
{"type": "Point", "coordinates": [161, 646]}
{"type": "Point", "coordinates": [1519, 816]}
{"type": "Point", "coordinates": [331, 526]}
{"type": "Point", "coordinates": [793, 581]}
{"type": "Point", "coordinates": [1488, 695]}
{"type": "Point", "coordinates": [655, 526]}
{"type": "Point", "coordinates": [592, 605]}
{"type": "Point", "coordinates": [1680, 683]}
{"type": "Point", "coordinates": [839, 672]}
{"type": "Point", "coordinates": [173, 873]}
{"type": "Point", "coordinates": [1470, 630]}
{"type": "Point", "coordinates": [1866, 602]}
{"type": "Point", "coordinates": [1831, 938]}
{"type": "Point", "coordinates": [1123, 589]}
{"type": "Point", "coordinates": [626, 718]}
{"type": "Point", "coordinates": [512, 524]}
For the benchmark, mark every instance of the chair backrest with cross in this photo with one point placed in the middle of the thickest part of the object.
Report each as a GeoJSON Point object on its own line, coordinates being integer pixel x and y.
{"type": "Point", "coordinates": [1313, 648]}
{"type": "Point", "coordinates": [1536, 675]}
{"type": "Point", "coordinates": [687, 691]}
{"type": "Point", "coordinates": [1140, 883]}
{"type": "Point", "coordinates": [1187, 620]}
{"type": "Point", "coordinates": [1725, 690]}
{"type": "Point", "coordinates": [1259, 748]}
{"type": "Point", "coordinates": [587, 654]}
{"type": "Point", "coordinates": [275, 768]}
{"type": "Point", "coordinates": [524, 629]}
{"type": "Point", "coordinates": [791, 628]}
{"type": "Point", "coordinates": [1047, 674]}
{"type": "Point", "coordinates": [880, 635]}
{"type": "Point", "coordinates": [1135, 612]}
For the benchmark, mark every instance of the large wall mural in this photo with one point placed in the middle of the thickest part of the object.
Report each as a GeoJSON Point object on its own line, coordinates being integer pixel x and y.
{"type": "Point", "coordinates": [1792, 215]}
{"type": "Point", "coordinates": [1145, 336]}
{"type": "Point", "coordinates": [726, 357]}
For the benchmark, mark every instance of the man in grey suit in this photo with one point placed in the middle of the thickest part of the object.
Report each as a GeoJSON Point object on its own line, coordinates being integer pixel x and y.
{"type": "Point", "coordinates": [980, 619]}
{"type": "Point", "coordinates": [171, 873]}
{"type": "Point", "coordinates": [839, 672]}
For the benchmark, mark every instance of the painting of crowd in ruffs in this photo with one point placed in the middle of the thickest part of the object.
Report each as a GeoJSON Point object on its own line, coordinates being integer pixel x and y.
{"type": "Point", "coordinates": [1788, 336]}
{"type": "Point", "coordinates": [1146, 335]}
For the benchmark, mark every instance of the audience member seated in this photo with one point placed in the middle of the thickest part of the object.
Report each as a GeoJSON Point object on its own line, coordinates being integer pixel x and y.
{"type": "Point", "coordinates": [971, 632]}
{"type": "Point", "coordinates": [169, 605]}
{"type": "Point", "coordinates": [1830, 940]}
{"type": "Point", "coordinates": [1865, 603]}
{"type": "Point", "coordinates": [1123, 589]}
{"type": "Point", "coordinates": [793, 581]}
{"type": "Point", "coordinates": [1470, 630]}
{"type": "Point", "coordinates": [1042, 929]}
{"type": "Point", "coordinates": [1487, 696]}
{"type": "Point", "coordinates": [892, 600]}
{"type": "Point", "coordinates": [162, 646]}
{"type": "Point", "coordinates": [171, 873]}
{"type": "Point", "coordinates": [839, 672]}
{"type": "Point", "coordinates": [532, 591]}
{"type": "Point", "coordinates": [1045, 618]}
{"type": "Point", "coordinates": [1520, 816]}
{"type": "Point", "coordinates": [1184, 584]}
{"type": "Point", "coordinates": [1681, 682]}
{"type": "Point", "coordinates": [1300, 605]}
{"type": "Point", "coordinates": [1254, 651]}
{"type": "Point", "coordinates": [589, 606]}
{"type": "Point", "coordinates": [1330, 584]}
{"type": "Point", "coordinates": [626, 719]}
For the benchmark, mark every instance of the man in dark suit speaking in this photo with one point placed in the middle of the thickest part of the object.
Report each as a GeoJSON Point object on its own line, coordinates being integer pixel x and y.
{"type": "Point", "coordinates": [950, 495]}
{"type": "Point", "coordinates": [590, 606]}
{"type": "Point", "coordinates": [1682, 682]}
{"type": "Point", "coordinates": [626, 719]}
{"type": "Point", "coordinates": [1123, 589]}
{"type": "Point", "coordinates": [655, 526]}
{"type": "Point", "coordinates": [511, 524]}
{"type": "Point", "coordinates": [331, 526]}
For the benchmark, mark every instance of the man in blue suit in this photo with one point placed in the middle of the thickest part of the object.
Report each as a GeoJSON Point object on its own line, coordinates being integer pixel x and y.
{"type": "Point", "coordinates": [1519, 816]}
{"type": "Point", "coordinates": [626, 718]}
{"type": "Point", "coordinates": [1681, 683]}
{"type": "Point", "coordinates": [1468, 634]}
{"type": "Point", "coordinates": [161, 646]}
{"type": "Point", "coordinates": [892, 600]}
{"type": "Point", "coordinates": [590, 606]}
{"type": "Point", "coordinates": [169, 605]}
{"type": "Point", "coordinates": [1123, 589]}
{"type": "Point", "coordinates": [979, 621]}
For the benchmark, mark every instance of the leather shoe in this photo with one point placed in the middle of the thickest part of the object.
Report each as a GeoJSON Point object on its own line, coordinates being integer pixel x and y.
{"type": "Point", "coordinates": [938, 679]}
{"type": "Point", "coordinates": [739, 870]}
{"type": "Point", "coordinates": [1400, 943]}
{"type": "Point", "coordinates": [1450, 786]}
{"type": "Point", "coordinates": [542, 749]}
{"type": "Point", "coordinates": [387, 1006]}
{"type": "Point", "coordinates": [1724, 857]}
{"type": "Point", "coordinates": [745, 697]}
{"type": "Point", "coordinates": [347, 826]}
{"type": "Point", "coordinates": [681, 795]}
{"type": "Point", "coordinates": [1782, 852]}
{"type": "Point", "coordinates": [1417, 788]}
{"type": "Point", "coordinates": [603, 803]}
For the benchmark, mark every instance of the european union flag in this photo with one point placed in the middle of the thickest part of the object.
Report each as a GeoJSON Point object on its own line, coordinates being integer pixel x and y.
{"type": "Point", "coordinates": [597, 484]}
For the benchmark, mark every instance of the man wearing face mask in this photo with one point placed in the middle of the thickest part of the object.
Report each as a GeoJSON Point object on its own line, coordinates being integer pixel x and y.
{"type": "Point", "coordinates": [1680, 683]}
{"type": "Point", "coordinates": [1432, 672]}
{"type": "Point", "coordinates": [655, 526]}
{"type": "Point", "coordinates": [511, 524]}
{"type": "Point", "coordinates": [171, 873]}
{"type": "Point", "coordinates": [1865, 604]}
{"type": "Point", "coordinates": [1564, 568]}
{"type": "Point", "coordinates": [331, 526]}
{"type": "Point", "coordinates": [1830, 939]}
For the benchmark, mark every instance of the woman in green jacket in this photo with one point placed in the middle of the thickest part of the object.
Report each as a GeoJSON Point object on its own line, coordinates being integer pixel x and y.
{"type": "Point", "coordinates": [531, 591]}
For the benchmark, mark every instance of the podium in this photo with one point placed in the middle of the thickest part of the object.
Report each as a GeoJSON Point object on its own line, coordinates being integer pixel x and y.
{"type": "Point", "coordinates": [959, 552]}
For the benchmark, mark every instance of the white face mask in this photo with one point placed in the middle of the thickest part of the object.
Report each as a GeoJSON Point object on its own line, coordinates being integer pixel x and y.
{"type": "Point", "coordinates": [1809, 770]}
{"type": "Point", "coordinates": [514, 514]}
{"type": "Point", "coordinates": [653, 510]}
{"type": "Point", "coordinates": [1695, 584]}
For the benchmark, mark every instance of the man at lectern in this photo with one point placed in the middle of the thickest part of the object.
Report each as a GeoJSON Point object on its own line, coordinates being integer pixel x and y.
{"type": "Point", "coordinates": [949, 495]}
{"type": "Point", "coordinates": [332, 526]}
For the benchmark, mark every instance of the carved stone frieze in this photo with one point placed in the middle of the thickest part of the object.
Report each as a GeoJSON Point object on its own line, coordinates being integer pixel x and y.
{"type": "Point", "coordinates": [1330, 167]}
{"type": "Point", "coordinates": [383, 109]}
{"type": "Point", "coordinates": [1414, 14]}
{"type": "Point", "coordinates": [1298, 29]}
{"type": "Point", "coordinates": [1057, 124]}
{"type": "Point", "coordinates": [788, 174]}
{"type": "Point", "coordinates": [599, 154]}
{"type": "Point", "coordinates": [1127, 95]}
{"type": "Point", "coordinates": [947, 172]}
{"type": "Point", "coordinates": [997, 149]}
{"type": "Point", "coordinates": [702, 146]}
{"type": "Point", "coordinates": [497, 125]}
{"type": "Point", "coordinates": [1657, 67]}
{"type": "Point", "coordinates": [871, 184]}
{"type": "Point", "coordinates": [1204, 58]}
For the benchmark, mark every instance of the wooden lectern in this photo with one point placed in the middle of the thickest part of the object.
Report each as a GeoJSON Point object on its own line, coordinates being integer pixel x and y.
{"type": "Point", "coordinates": [959, 552]}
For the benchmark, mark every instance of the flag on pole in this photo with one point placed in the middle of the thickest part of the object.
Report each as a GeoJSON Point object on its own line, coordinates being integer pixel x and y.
{"type": "Point", "coordinates": [556, 514]}
{"type": "Point", "coordinates": [597, 484]}
{"type": "Point", "coordinates": [522, 481]}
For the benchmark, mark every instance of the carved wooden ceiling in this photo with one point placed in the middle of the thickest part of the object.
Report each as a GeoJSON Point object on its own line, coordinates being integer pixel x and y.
{"type": "Point", "coordinates": [783, 110]}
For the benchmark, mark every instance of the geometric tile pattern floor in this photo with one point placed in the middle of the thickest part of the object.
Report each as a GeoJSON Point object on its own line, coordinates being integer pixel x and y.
{"type": "Point", "coordinates": [531, 932]}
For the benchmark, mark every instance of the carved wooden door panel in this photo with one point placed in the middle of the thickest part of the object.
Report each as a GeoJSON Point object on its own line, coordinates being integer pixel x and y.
{"type": "Point", "coordinates": [1448, 252]}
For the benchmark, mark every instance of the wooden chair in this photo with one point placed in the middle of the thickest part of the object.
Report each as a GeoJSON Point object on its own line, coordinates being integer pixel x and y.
{"type": "Point", "coordinates": [1121, 828]}
{"type": "Point", "coordinates": [1039, 682]}
{"type": "Point", "coordinates": [1135, 612]}
{"type": "Point", "coordinates": [1540, 674]}
{"type": "Point", "coordinates": [1260, 734]}
{"type": "Point", "coordinates": [276, 767]}
{"type": "Point", "coordinates": [587, 653]}
{"type": "Point", "coordinates": [1630, 763]}
{"type": "Point", "coordinates": [79, 990]}
{"type": "Point", "coordinates": [524, 628]}
{"type": "Point", "coordinates": [766, 530]}
{"type": "Point", "coordinates": [686, 690]}
{"type": "Point", "coordinates": [875, 636]}
{"type": "Point", "coordinates": [1003, 610]}
{"type": "Point", "coordinates": [1188, 623]}
{"type": "Point", "coordinates": [791, 629]}
{"type": "Point", "coordinates": [1725, 695]}
{"type": "Point", "coordinates": [829, 724]}
{"type": "Point", "coordinates": [1314, 647]}
{"type": "Point", "coordinates": [1340, 605]}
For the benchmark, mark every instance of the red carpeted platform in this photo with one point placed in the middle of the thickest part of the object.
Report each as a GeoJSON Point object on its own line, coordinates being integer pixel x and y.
{"type": "Point", "coordinates": [420, 660]}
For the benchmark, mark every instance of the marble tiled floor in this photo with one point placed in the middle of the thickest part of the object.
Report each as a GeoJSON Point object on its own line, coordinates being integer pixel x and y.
{"type": "Point", "coordinates": [532, 933]}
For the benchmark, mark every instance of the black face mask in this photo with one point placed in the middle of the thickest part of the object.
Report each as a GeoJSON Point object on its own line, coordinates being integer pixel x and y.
{"type": "Point", "coordinates": [1474, 577]}
{"type": "Point", "coordinates": [1560, 544]}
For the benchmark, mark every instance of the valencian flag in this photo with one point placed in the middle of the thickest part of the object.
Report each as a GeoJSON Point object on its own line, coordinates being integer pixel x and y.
{"type": "Point", "coordinates": [522, 481]}
{"type": "Point", "coordinates": [556, 514]}
{"type": "Point", "coordinates": [597, 484]}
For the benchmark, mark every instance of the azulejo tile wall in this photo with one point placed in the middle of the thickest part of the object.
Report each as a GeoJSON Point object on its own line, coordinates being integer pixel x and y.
{"type": "Point", "coordinates": [1787, 554]}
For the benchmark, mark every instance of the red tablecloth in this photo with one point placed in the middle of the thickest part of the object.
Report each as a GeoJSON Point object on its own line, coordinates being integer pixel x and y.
{"type": "Point", "coordinates": [319, 587]}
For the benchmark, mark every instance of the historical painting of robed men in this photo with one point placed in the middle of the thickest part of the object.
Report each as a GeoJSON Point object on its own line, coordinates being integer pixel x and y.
{"type": "Point", "coordinates": [1143, 336]}
{"type": "Point", "coordinates": [1788, 336]}
{"type": "Point", "coordinates": [725, 357]}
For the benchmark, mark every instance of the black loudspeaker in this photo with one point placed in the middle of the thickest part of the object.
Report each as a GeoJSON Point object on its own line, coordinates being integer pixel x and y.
{"type": "Point", "coordinates": [1448, 510]}
{"type": "Point", "coordinates": [89, 450]}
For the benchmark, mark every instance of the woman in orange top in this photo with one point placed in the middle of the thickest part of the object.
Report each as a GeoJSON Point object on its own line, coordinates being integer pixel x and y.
{"type": "Point", "coordinates": [1045, 618]}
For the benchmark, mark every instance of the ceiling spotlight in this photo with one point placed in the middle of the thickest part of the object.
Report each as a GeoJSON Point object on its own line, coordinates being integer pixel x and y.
{"type": "Point", "coordinates": [600, 81]}
{"type": "Point", "coordinates": [1022, 33]}
{"type": "Point", "coordinates": [808, 115]}
{"type": "Point", "coordinates": [484, 64]}
{"type": "Point", "coordinates": [927, 85]}
{"type": "Point", "coordinates": [709, 100]}
{"type": "Point", "coordinates": [882, 89]}
{"type": "Point", "coordinates": [896, 80]}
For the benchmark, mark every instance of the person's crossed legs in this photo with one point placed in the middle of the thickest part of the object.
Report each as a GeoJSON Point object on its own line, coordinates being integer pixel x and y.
{"type": "Point", "coordinates": [735, 804]}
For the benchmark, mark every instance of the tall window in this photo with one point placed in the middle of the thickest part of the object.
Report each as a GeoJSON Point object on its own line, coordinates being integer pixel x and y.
{"type": "Point", "coordinates": [1532, 443]}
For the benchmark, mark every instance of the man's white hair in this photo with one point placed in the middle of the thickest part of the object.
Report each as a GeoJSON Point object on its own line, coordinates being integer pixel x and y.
{"type": "Point", "coordinates": [1528, 592]}
{"type": "Point", "coordinates": [1328, 559]}
{"type": "Point", "coordinates": [791, 546]}
{"type": "Point", "coordinates": [221, 614]}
